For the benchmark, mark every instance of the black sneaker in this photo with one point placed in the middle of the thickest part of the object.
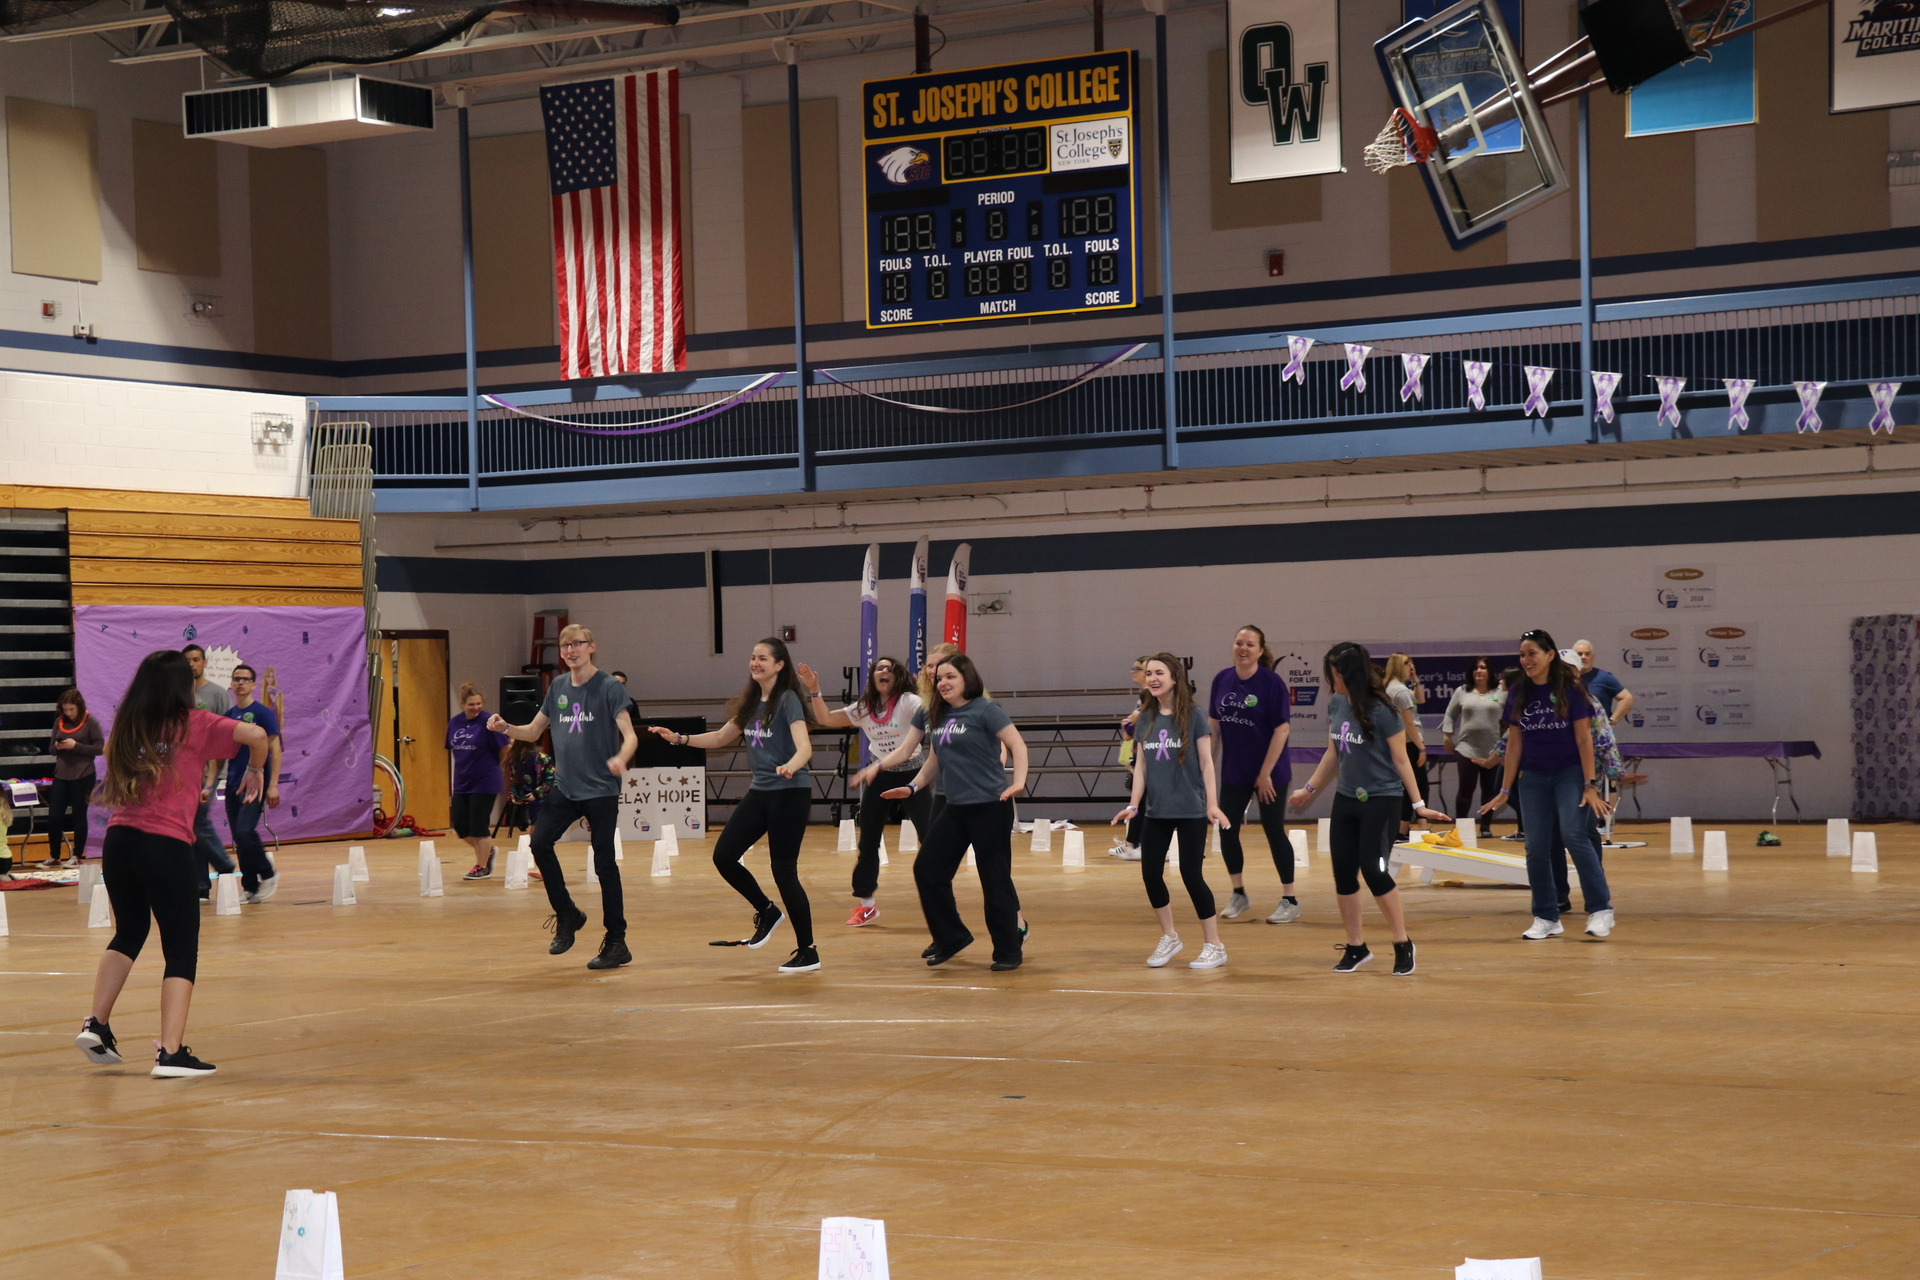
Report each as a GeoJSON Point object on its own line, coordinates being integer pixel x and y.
{"type": "Point", "coordinates": [96, 1043]}
{"type": "Point", "coordinates": [933, 949]}
{"type": "Point", "coordinates": [765, 921]}
{"type": "Point", "coordinates": [613, 954]}
{"type": "Point", "coordinates": [1352, 957]}
{"type": "Point", "coordinates": [937, 957]}
{"type": "Point", "coordinates": [1403, 958]}
{"type": "Point", "coordinates": [563, 931]}
{"type": "Point", "coordinates": [1004, 966]}
{"type": "Point", "coordinates": [804, 960]}
{"type": "Point", "coordinates": [179, 1065]}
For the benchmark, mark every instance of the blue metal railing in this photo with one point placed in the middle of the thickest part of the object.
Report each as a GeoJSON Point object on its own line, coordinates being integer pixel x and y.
{"type": "Point", "coordinates": [1225, 388]}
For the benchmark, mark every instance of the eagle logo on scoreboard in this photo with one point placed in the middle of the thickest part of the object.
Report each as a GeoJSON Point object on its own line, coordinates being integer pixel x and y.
{"type": "Point", "coordinates": [904, 165]}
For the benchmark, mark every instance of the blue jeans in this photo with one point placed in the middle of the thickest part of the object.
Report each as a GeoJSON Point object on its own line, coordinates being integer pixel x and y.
{"type": "Point", "coordinates": [244, 820]}
{"type": "Point", "coordinates": [206, 841]}
{"type": "Point", "coordinates": [1550, 804]}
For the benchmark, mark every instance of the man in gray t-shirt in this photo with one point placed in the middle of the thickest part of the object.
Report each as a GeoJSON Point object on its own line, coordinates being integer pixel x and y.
{"type": "Point", "coordinates": [593, 739]}
{"type": "Point", "coordinates": [208, 696]}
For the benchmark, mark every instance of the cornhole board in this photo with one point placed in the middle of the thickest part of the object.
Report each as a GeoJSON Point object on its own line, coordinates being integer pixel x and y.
{"type": "Point", "coordinates": [1465, 861]}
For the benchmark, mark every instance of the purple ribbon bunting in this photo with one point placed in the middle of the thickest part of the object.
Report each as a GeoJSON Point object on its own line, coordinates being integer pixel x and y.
{"type": "Point", "coordinates": [1738, 389]}
{"type": "Point", "coordinates": [1883, 394]}
{"type": "Point", "coordinates": [1356, 374]}
{"type": "Point", "coordinates": [1537, 380]}
{"type": "Point", "coordinates": [1296, 369]}
{"type": "Point", "coordinates": [1809, 393]}
{"type": "Point", "coordinates": [1670, 389]}
{"type": "Point", "coordinates": [1476, 382]}
{"type": "Point", "coordinates": [1414, 364]}
{"type": "Point", "coordinates": [1604, 385]}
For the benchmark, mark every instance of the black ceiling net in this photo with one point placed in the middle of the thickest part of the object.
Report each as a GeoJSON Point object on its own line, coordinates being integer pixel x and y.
{"type": "Point", "coordinates": [267, 39]}
{"type": "Point", "coordinates": [20, 13]}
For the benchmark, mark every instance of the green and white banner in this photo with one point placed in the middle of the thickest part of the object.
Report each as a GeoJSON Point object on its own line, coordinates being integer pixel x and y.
{"type": "Point", "coordinates": [1283, 92]}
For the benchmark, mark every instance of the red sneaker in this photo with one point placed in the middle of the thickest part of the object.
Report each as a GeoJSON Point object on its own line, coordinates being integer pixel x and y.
{"type": "Point", "coordinates": [862, 915]}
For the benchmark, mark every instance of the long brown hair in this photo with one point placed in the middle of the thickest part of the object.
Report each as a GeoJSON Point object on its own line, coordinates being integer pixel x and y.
{"type": "Point", "coordinates": [971, 686]}
{"type": "Point", "coordinates": [148, 727]}
{"type": "Point", "coordinates": [1561, 676]}
{"type": "Point", "coordinates": [78, 699]}
{"type": "Point", "coordinates": [870, 697]}
{"type": "Point", "coordinates": [741, 708]}
{"type": "Point", "coordinates": [1182, 703]}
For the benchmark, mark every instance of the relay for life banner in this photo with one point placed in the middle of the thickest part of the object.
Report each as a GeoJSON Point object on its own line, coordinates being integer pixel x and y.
{"type": "Point", "coordinates": [1283, 91]}
{"type": "Point", "coordinates": [312, 665]}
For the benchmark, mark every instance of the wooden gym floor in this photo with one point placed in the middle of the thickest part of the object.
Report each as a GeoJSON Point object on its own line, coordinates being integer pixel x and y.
{"type": "Point", "coordinates": [1729, 1087]}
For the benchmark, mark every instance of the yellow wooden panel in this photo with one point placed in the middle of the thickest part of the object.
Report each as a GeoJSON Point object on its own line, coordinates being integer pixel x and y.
{"type": "Point", "coordinates": [292, 271]}
{"type": "Point", "coordinates": [512, 242]}
{"type": "Point", "coordinates": [112, 593]}
{"type": "Point", "coordinates": [196, 573]}
{"type": "Point", "coordinates": [176, 525]}
{"type": "Point", "coordinates": [1249, 204]}
{"type": "Point", "coordinates": [47, 497]}
{"type": "Point", "coordinates": [53, 181]}
{"type": "Point", "coordinates": [768, 213]}
{"type": "Point", "coordinates": [235, 553]}
{"type": "Point", "coordinates": [176, 200]}
{"type": "Point", "coordinates": [1819, 174]}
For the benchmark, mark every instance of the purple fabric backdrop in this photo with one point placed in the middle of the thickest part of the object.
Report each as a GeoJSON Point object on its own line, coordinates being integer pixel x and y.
{"type": "Point", "coordinates": [318, 663]}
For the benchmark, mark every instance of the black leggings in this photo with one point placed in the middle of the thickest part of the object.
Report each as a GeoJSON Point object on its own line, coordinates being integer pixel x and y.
{"type": "Point", "coordinates": [1361, 837]}
{"type": "Point", "coordinates": [1155, 838]}
{"type": "Point", "coordinates": [1273, 821]}
{"type": "Point", "coordinates": [779, 814]}
{"type": "Point", "coordinates": [153, 878]}
{"type": "Point", "coordinates": [65, 794]}
{"type": "Point", "coordinates": [1419, 777]}
{"type": "Point", "coordinates": [873, 823]}
{"type": "Point", "coordinates": [988, 828]}
{"type": "Point", "coordinates": [1472, 776]}
{"type": "Point", "coordinates": [603, 815]}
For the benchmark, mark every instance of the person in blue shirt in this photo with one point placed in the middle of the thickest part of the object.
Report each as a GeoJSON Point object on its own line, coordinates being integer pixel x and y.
{"type": "Point", "coordinates": [257, 875]}
{"type": "Point", "coordinates": [1615, 698]}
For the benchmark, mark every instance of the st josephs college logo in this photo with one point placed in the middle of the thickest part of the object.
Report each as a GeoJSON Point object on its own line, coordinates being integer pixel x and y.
{"type": "Point", "coordinates": [1890, 27]}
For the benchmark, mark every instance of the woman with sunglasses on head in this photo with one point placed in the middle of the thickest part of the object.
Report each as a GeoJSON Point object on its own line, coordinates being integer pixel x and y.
{"type": "Point", "coordinates": [1550, 752]}
{"type": "Point", "coordinates": [770, 715]}
{"type": "Point", "coordinates": [967, 730]}
{"type": "Point", "coordinates": [884, 712]}
{"type": "Point", "coordinates": [1174, 792]}
{"type": "Point", "coordinates": [1470, 731]}
{"type": "Point", "coordinates": [157, 753]}
{"type": "Point", "coordinates": [1366, 751]}
{"type": "Point", "coordinates": [1249, 712]}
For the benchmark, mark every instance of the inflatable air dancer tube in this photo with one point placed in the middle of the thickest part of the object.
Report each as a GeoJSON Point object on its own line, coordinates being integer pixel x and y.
{"type": "Point", "coordinates": [956, 629]}
{"type": "Point", "coordinates": [869, 622]}
{"type": "Point", "coordinates": [917, 609]}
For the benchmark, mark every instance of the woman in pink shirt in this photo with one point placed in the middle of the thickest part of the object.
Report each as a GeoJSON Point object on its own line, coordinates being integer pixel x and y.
{"type": "Point", "coordinates": [156, 754]}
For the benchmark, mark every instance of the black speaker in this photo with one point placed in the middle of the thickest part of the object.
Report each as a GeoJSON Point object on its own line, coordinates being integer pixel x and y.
{"type": "Point", "coordinates": [519, 698]}
{"type": "Point", "coordinates": [1634, 40]}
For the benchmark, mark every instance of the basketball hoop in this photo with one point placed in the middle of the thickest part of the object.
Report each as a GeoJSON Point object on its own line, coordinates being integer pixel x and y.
{"type": "Point", "coordinates": [1402, 141]}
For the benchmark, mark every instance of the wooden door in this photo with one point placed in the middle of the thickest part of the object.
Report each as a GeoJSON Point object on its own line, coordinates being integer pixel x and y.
{"type": "Point", "coordinates": [411, 723]}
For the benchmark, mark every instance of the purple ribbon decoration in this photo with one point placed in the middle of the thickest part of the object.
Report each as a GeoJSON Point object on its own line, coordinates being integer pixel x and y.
{"type": "Point", "coordinates": [1883, 394]}
{"type": "Point", "coordinates": [1670, 389]}
{"type": "Point", "coordinates": [1738, 389]}
{"type": "Point", "coordinates": [1604, 385]}
{"type": "Point", "coordinates": [1537, 380]}
{"type": "Point", "coordinates": [1414, 364]}
{"type": "Point", "coordinates": [1809, 393]}
{"type": "Point", "coordinates": [1296, 369]}
{"type": "Point", "coordinates": [1356, 374]}
{"type": "Point", "coordinates": [1476, 382]}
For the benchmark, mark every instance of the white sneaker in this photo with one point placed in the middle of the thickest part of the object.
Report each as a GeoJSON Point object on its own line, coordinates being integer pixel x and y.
{"type": "Point", "coordinates": [1170, 946]}
{"type": "Point", "coordinates": [269, 885]}
{"type": "Point", "coordinates": [1600, 923]}
{"type": "Point", "coordinates": [1543, 929]}
{"type": "Point", "coordinates": [1212, 956]}
{"type": "Point", "coordinates": [1128, 853]}
{"type": "Point", "coordinates": [1285, 913]}
{"type": "Point", "coordinates": [1237, 905]}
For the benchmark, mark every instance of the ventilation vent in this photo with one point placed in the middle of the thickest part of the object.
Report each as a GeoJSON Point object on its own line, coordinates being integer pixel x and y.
{"type": "Point", "coordinates": [226, 110]}
{"type": "Point", "coordinates": [296, 115]}
{"type": "Point", "coordinates": [389, 103]}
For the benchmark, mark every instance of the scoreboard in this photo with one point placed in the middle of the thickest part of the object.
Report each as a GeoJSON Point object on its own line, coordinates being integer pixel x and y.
{"type": "Point", "coordinates": [1001, 192]}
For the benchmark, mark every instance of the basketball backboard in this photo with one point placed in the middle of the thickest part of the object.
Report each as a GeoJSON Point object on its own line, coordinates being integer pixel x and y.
{"type": "Point", "coordinates": [1458, 75]}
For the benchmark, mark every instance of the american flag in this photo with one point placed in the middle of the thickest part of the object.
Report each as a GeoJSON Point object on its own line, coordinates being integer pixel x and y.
{"type": "Point", "coordinates": [613, 162]}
